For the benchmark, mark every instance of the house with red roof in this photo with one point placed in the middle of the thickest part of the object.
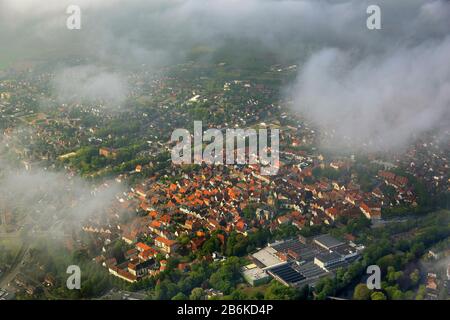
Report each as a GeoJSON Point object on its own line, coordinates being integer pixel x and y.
{"type": "Point", "coordinates": [166, 245]}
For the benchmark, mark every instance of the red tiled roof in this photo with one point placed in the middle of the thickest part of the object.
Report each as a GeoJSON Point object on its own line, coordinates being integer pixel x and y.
{"type": "Point", "coordinates": [142, 247]}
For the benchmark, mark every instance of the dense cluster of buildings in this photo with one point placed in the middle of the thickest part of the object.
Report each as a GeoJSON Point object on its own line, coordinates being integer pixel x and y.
{"type": "Point", "coordinates": [197, 201]}
{"type": "Point", "coordinates": [310, 189]}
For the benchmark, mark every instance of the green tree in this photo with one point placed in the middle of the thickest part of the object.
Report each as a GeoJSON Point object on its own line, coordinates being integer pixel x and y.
{"type": "Point", "coordinates": [421, 292]}
{"type": "Point", "coordinates": [238, 295]}
{"type": "Point", "coordinates": [378, 295]}
{"type": "Point", "coordinates": [180, 296]}
{"type": "Point", "coordinates": [196, 294]}
{"type": "Point", "coordinates": [393, 276]}
{"type": "Point", "coordinates": [415, 277]}
{"type": "Point", "coordinates": [305, 293]}
{"type": "Point", "coordinates": [278, 291]}
{"type": "Point", "coordinates": [361, 292]}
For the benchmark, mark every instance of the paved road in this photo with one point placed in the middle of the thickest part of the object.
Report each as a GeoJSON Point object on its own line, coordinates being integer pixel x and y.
{"type": "Point", "coordinates": [10, 274]}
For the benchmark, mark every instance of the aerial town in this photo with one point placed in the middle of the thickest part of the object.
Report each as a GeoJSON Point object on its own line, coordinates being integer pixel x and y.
{"type": "Point", "coordinates": [88, 181]}
{"type": "Point", "coordinates": [314, 219]}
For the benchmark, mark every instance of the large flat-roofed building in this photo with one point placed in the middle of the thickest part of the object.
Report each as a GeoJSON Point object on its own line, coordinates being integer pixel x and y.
{"type": "Point", "coordinates": [297, 250]}
{"type": "Point", "coordinates": [254, 275]}
{"type": "Point", "coordinates": [267, 257]}
{"type": "Point", "coordinates": [346, 251]}
{"type": "Point", "coordinates": [296, 263]}
{"type": "Point", "coordinates": [327, 242]}
{"type": "Point", "coordinates": [311, 270]}
{"type": "Point", "coordinates": [286, 274]}
{"type": "Point", "coordinates": [328, 260]}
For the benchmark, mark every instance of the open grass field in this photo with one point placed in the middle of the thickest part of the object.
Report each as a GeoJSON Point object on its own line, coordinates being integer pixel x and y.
{"type": "Point", "coordinates": [250, 291]}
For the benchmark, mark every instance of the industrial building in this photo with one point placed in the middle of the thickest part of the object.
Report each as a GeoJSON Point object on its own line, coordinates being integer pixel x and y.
{"type": "Point", "coordinates": [300, 261]}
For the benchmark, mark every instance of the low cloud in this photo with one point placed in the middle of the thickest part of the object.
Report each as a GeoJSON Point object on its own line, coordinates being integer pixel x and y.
{"type": "Point", "coordinates": [377, 101]}
{"type": "Point", "coordinates": [382, 92]}
{"type": "Point", "coordinates": [48, 200]}
{"type": "Point", "coordinates": [89, 83]}
{"type": "Point", "coordinates": [52, 201]}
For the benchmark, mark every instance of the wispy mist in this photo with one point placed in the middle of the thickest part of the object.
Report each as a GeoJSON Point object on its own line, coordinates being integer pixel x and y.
{"type": "Point", "coordinates": [50, 200]}
{"type": "Point", "coordinates": [377, 101]}
{"type": "Point", "coordinates": [88, 83]}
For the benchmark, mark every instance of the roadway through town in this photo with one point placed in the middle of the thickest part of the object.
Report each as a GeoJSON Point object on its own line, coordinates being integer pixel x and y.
{"type": "Point", "coordinates": [10, 274]}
